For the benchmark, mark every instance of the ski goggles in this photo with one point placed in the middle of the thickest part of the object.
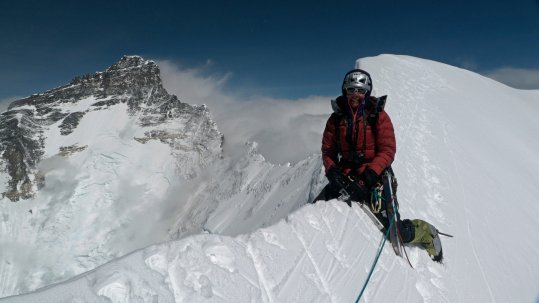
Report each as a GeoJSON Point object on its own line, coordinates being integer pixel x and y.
{"type": "Point", "coordinates": [352, 90]}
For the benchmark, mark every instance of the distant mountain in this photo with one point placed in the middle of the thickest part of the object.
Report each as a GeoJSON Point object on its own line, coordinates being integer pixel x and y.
{"type": "Point", "coordinates": [29, 124]}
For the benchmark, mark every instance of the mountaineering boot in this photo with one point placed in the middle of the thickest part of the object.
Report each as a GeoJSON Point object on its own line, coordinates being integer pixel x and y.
{"type": "Point", "coordinates": [406, 230]}
{"type": "Point", "coordinates": [427, 237]}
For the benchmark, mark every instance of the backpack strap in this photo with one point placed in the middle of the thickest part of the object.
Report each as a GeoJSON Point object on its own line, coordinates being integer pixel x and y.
{"type": "Point", "coordinates": [337, 120]}
{"type": "Point", "coordinates": [373, 115]}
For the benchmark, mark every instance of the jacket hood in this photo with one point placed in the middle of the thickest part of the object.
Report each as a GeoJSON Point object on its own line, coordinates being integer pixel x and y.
{"type": "Point", "coordinates": [340, 105]}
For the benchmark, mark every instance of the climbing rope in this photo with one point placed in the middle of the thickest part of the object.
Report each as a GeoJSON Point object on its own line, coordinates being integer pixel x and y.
{"type": "Point", "coordinates": [380, 248]}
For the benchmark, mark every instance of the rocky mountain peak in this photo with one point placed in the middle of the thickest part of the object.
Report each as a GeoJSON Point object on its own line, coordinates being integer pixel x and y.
{"type": "Point", "coordinates": [127, 62]}
{"type": "Point", "coordinates": [131, 75]}
{"type": "Point", "coordinates": [133, 81]}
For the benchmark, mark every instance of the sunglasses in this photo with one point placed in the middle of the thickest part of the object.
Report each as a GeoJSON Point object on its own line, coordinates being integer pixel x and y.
{"type": "Point", "coordinates": [352, 90]}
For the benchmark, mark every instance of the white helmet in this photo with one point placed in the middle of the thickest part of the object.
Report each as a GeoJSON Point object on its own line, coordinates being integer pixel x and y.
{"type": "Point", "coordinates": [357, 78]}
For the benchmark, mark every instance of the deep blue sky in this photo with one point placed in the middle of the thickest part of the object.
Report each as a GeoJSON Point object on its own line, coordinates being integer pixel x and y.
{"type": "Point", "coordinates": [273, 48]}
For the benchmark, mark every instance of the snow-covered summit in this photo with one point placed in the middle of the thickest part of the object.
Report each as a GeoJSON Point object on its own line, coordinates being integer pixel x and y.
{"type": "Point", "coordinates": [132, 75]}
{"type": "Point", "coordinates": [132, 62]}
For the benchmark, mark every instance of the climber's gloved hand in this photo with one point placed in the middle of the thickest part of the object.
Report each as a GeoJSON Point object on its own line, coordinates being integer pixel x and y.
{"type": "Point", "coordinates": [370, 177]}
{"type": "Point", "coordinates": [336, 178]}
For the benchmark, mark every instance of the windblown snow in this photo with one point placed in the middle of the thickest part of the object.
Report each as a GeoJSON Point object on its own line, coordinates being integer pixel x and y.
{"type": "Point", "coordinates": [117, 223]}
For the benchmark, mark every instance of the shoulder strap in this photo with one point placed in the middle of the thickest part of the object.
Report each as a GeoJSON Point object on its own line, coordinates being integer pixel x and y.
{"type": "Point", "coordinates": [373, 115]}
{"type": "Point", "coordinates": [337, 120]}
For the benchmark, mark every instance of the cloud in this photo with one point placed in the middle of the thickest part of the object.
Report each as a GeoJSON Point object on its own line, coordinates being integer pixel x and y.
{"type": "Point", "coordinates": [468, 63]}
{"type": "Point", "coordinates": [286, 130]}
{"type": "Point", "coordinates": [4, 103]}
{"type": "Point", "coordinates": [516, 77]}
{"type": "Point", "coordinates": [521, 78]}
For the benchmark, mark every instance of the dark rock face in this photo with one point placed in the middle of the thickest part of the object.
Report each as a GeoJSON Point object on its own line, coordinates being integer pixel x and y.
{"type": "Point", "coordinates": [70, 122]}
{"type": "Point", "coordinates": [133, 81]}
{"type": "Point", "coordinates": [21, 149]}
{"type": "Point", "coordinates": [68, 150]}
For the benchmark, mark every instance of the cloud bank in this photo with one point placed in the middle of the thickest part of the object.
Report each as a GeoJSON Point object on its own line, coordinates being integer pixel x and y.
{"type": "Point", "coordinates": [286, 130]}
{"type": "Point", "coordinates": [516, 77]}
{"type": "Point", "coordinates": [4, 103]}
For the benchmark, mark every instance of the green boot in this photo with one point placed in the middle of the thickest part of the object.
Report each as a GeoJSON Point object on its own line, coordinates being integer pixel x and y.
{"type": "Point", "coordinates": [427, 237]}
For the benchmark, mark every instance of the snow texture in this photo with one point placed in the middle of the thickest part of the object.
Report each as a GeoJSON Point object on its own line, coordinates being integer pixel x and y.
{"type": "Point", "coordinates": [466, 163]}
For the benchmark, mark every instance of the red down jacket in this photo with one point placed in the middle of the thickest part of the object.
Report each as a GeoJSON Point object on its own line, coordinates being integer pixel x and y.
{"type": "Point", "coordinates": [380, 151]}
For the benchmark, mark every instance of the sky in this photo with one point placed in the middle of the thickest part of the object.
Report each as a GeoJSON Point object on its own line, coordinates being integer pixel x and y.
{"type": "Point", "coordinates": [279, 49]}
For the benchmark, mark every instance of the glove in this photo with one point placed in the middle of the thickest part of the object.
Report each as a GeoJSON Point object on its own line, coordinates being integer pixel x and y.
{"type": "Point", "coordinates": [335, 178]}
{"type": "Point", "coordinates": [358, 192]}
{"type": "Point", "coordinates": [370, 177]}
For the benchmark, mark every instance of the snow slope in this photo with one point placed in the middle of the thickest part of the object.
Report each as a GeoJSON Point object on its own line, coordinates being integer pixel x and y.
{"type": "Point", "coordinates": [465, 162]}
{"type": "Point", "coordinates": [313, 256]}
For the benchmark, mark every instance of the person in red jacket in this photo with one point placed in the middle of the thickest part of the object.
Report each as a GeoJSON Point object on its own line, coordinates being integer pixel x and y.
{"type": "Point", "coordinates": [352, 145]}
{"type": "Point", "coordinates": [359, 144]}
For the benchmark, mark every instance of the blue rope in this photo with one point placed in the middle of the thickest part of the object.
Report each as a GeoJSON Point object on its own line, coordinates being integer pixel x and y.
{"type": "Point", "coordinates": [380, 248]}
